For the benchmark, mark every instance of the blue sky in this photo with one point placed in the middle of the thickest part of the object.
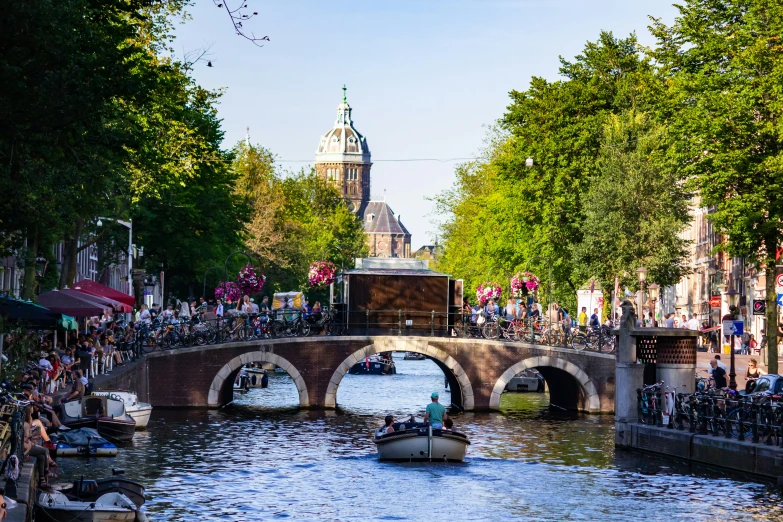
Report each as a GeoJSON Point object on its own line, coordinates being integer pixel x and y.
{"type": "Point", "coordinates": [424, 78]}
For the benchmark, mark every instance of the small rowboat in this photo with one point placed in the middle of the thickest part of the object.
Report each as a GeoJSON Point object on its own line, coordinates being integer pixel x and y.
{"type": "Point", "coordinates": [421, 443]}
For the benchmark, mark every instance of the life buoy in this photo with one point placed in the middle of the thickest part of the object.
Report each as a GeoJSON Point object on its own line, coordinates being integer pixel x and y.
{"type": "Point", "coordinates": [367, 362]}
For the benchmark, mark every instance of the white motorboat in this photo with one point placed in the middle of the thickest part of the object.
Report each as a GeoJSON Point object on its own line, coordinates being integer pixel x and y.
{"type": "Point", "coordinates": [109, 507]}
{"type": "Point", "coordinates": [526, 381]}
{"type": "Point", "coordinates": [140, 411]}
{"type": "Point", "coordinates": [421, 443]}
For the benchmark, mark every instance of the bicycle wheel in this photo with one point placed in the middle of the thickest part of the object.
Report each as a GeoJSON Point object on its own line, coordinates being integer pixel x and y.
{"type": "Point", "coordinates": [740, 414]}
{"type": "Point", "coordinates": [304, 328]}
{"type": "Point", "coordinates": [579, 342]}
{"type": "Point", "coordinates": [149, 345]}
{"type": "Point", "coordinates": [490, 330]}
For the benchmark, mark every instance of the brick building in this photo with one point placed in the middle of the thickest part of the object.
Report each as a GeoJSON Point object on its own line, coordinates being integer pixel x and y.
{"type": "Point", "coordinates": [343, 158]}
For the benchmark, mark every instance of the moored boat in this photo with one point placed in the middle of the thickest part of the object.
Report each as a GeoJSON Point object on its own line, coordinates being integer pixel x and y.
{"type": "Point", "coordinates": [103, 413]}
{"type": "Point", "coordinates": [527, 381]}
{"type": "Point", "coordinates": [374, 365]}
{"type": "Point", "coordinates": [57, 507]}
{"type": "Point", "coordinates": [421, 443]}
{"type": "Point", "coordinates": [413, 356]}
{"type": "Point", "coordinates": [92, 490]}
{"type": "Point", "coordinates": [139, 411]}
{"type": "Point", "coordinates": [85, 442]}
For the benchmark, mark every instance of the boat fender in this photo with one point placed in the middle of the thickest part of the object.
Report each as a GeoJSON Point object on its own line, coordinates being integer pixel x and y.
{"type": "Point", "coordinates": [140, 517]}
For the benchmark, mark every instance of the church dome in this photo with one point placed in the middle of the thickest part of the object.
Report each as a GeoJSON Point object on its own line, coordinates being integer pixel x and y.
{"type": "Point", "coordinates": [343, 143]}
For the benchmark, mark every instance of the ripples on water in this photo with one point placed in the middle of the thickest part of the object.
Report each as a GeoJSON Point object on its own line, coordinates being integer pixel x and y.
{"type": "Point", "coordinates": [262, 459]}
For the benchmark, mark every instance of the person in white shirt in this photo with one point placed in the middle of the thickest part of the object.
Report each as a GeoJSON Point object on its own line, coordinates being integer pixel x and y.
{"type": "Point", "coordinates": [253, 306]}
{"type": "Point", "coordinates": [694, 324]}
{"type": "Point", "coordinates": [219, 308]}
{"type": "Point", "coordinates": [145, 316]}
{"type": "Point", "coordinates": [44, 363]}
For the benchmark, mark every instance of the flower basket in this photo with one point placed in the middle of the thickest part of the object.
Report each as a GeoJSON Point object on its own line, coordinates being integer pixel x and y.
{"type": "Point", "coordinates": [524, 283]}
{"type": "Point", "coordinates": [228, 290]}
{"type": "Point", "coordinates": [322, 273]}
{"type": "Point", "coordinates": [249, 282]}
{"type": "Point", "coordinates": [486, 291]}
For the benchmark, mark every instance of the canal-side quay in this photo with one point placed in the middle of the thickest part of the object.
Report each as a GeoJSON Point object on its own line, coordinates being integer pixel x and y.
{"type": "Point", "coordinates": [745, 456]}
{"type": "Point", "coordinates": [650, 355]}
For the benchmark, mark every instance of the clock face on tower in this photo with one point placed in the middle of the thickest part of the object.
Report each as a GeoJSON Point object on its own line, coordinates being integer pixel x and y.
{"type": "Point", "coordinates": [381, 245]}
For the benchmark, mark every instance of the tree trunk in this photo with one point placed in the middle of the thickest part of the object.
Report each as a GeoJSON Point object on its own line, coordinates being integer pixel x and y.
{"type": "Point", "coordinates": [772, 316]}
{"type": "Point", "coordinates": [28, 285]}
{"type": "Point", "coordinates": [70, 251]}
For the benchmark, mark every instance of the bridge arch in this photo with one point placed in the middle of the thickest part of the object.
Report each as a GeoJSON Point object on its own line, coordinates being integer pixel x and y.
{"type": "Point", "coordinates": [221, 390]}
{"type": "Point", "coordinates": [453, 370]}
{"type": "Point", "coordinates": [553, 368]}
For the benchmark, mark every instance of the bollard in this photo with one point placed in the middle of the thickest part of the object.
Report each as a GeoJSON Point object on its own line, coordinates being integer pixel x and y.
{"type": "Point", "coordinates": [399, 322]}
{"type": "Point", "coordinates": [432, 324]}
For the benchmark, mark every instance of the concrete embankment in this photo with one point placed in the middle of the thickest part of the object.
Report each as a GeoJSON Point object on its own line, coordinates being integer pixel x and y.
{"type": "Point", "coordinates": [747, 457]}
{"type": "Point", "coordinates": [26, 493]}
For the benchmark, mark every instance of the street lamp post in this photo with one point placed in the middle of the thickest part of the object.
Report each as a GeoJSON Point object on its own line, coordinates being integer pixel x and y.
{"type": "Point", "coordinates": [653, 291]}
{"type": "Point", "coordinates": [642, 271]}
{"type": "Point", "coordinates": [204, 289]}
{"type": "Point", "coordinates": [732, 298]}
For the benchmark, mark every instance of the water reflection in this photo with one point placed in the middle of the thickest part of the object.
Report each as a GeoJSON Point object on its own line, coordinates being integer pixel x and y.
{"type": "Point", "coordinates": [263, 458]}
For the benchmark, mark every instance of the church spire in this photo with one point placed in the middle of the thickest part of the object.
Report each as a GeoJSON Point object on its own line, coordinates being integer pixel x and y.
{"type": "Point", "coordinates": [345, 97]}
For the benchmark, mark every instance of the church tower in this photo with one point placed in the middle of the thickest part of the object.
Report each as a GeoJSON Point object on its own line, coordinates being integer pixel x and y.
{"type": "Point", "coordinates": [343, 158]}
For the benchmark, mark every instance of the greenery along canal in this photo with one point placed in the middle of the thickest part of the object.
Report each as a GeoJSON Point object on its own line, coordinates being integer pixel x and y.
{"type": "Point", "coordinates": [262, 459]}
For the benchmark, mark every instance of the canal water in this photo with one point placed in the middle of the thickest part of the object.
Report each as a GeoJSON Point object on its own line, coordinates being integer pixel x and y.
{"type": "Point", "coordinates": [262, 459]}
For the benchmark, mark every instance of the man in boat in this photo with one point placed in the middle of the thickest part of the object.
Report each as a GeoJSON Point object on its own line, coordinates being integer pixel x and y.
{"type": "Point", "coordinates": [435, 412]}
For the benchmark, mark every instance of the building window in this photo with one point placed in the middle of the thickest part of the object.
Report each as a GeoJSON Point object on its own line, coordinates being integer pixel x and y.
{"type": "Point", "coordinates": [352, 174]}
{"type": "Point", "coordinates": [370, 217]}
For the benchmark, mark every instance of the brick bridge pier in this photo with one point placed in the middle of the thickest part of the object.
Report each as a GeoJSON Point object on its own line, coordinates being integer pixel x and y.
{"type": "Point", "coordinates": [477, 370]}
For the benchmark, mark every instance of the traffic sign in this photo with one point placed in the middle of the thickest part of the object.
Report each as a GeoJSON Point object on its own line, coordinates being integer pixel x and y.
{"type": "Point", "coordinates": [733, 327]}
{"type": "Point", "coordinates": [759, 307]}
{"type": "Point", "coordinates": [780, 299]}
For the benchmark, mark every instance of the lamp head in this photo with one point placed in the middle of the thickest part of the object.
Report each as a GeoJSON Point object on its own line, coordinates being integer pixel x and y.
{"type": "Point", "coordinates": [642, 271]}
{"type": "Point", "coordinates": [653, 291]}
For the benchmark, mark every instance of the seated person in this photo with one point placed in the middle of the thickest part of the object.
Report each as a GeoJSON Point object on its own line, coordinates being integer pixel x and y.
{"type": "Point", "coordinates": [448, 425]}
{"type": "Point", "coordinates": [77, 388]}
{"type": "Point", "coordinates": [387, 427]}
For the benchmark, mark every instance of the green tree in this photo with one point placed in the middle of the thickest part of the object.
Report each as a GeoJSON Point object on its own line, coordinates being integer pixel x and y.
{"type": "Point", "coordinates": [500, 213]}
{"type": "Point", "coordinates": [723, 61]}
{"type": "Point", "coordinates": [634, 209]}
{"type": "Point", "coordinates": [295, 219]}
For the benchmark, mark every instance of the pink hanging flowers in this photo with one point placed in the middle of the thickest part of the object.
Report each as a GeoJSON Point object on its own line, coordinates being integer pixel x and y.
{"type": "Point", "coordinates": [486, 291]}
{"type": "Point", "coordinates": [249, 282]}
{"type": "Point", "coordinates": [322, 273]}
{"type": "Point", "coordinates": [524, 282]}
{"type": "Point", "coordinates": [227, 290]}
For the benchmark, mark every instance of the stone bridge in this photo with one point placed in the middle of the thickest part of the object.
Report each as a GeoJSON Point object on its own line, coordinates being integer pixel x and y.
{"type": "Point", "coordinates": [477, 370]}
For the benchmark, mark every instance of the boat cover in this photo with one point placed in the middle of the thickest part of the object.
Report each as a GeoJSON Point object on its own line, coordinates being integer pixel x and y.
{"type": "Point", "coordinates": [79, 437]}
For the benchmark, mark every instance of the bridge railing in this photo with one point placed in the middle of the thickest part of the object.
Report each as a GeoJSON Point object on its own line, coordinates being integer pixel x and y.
{"type": "Point", "coordinates": [292, 323]}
